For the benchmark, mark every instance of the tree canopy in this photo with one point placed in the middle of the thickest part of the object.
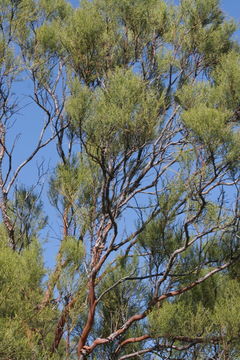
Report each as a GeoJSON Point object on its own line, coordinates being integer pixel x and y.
{"type": "Point", "coordinates": [141, 100]}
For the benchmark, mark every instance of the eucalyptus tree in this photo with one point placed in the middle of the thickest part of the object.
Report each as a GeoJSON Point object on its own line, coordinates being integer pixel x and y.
{"type": "Point", "coordinates": [142, 100]}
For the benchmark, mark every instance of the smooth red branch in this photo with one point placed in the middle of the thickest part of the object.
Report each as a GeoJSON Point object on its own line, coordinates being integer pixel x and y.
{"type": "Point", "coordinates": [132, 340]}
{"type": "Point", "coordinates": [195, 340]}
{"type": "Point", "coordinates": [61, 324]}
{"type": "Point", "coordinates": [144, 314]}
{"type": "Point", "coordinates": [91, 314]}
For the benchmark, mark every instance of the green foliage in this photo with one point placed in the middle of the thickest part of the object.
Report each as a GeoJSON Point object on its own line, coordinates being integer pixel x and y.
{"type": "Point", "coordinates": [227, 309]}
{"type": "Point", "coordinates": [191, 316]}
{"type": "Point", "coordinates": [160, 240]}
{"type": "Point", "coordinates": [28, 216]}
{"type": "Point", "coordinates": [21, 276]}
{"type": "Point", "coordinates": [142, 18]}
{"type": "Point", "coordinates": [7, 61]}
{"type": "Point", "coordinates": [55, 9]}
{"type": "Point", "coordinates": [72, 250]}
{"type": "Point", "coordinates": [75, 180]}
{"type": "Point", "coordinates": [211, 110]}
{"type": "Point", "coordinates": [86, 40]}
{"type": "Point", "coordinates": [48, 34]}
{"type": "Point", "coordinates": [191, 96]}
{"type": "Point", "coordinates": [123, 301]}
{"type": "Point", "coordinates": [47, 38]}
{"type": "Point", "coordinates": [178, 319]}
{"type": "Point", "coordinates": [123, 115]}
{"type": "Point", "coordinates": [208, 124]}
{"type": "Point", "coordinates": [199, 28]}
{"type": "Point", "coordinates": [76, 186]}
{"type": "Point", "coordinates": [227, 81]}
{"type": "Point", "coordinates": [162, 236]}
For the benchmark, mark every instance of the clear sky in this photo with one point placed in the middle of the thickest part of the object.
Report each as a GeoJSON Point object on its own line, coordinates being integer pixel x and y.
{"type": "Point", "coordinates": [232, 8]}
{"type": "Point", "coordinates": [28, 125]}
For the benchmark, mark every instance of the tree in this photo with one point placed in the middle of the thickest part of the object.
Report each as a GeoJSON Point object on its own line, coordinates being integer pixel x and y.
{"type": "Point", "coordinates": [142, 101]}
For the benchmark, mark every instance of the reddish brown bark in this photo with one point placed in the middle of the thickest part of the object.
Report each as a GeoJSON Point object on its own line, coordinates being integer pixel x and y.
{"type": "Point", "coordinates": [91, 314]}
{"type": "Point", "coordinates": [61, 324]}
{"type": "Point", "coordinates": [133, 340]}
{"type": "Point", "coordinates": [188, 339]}
{"type": "Point", "coordinates": [97, 263]}
{"type": "Point", "coordinates": [143, 315]}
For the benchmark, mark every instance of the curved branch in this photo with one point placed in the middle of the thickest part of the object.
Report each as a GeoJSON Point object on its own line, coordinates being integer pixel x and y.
{"type": "Point", "coordinates": [155, 348]}
{"type": "Point", "coordinates": [137, 317]}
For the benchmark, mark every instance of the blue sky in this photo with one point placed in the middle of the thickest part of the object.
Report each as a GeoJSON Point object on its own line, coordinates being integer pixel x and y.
{"type": "Point", "coordinates": [232, 8]}
{"type": "Point", "coordinates": [28, 125]}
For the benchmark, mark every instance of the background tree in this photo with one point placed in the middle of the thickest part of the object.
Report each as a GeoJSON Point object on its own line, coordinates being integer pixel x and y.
{"type": "Point", "coordinates": [142, 101]}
